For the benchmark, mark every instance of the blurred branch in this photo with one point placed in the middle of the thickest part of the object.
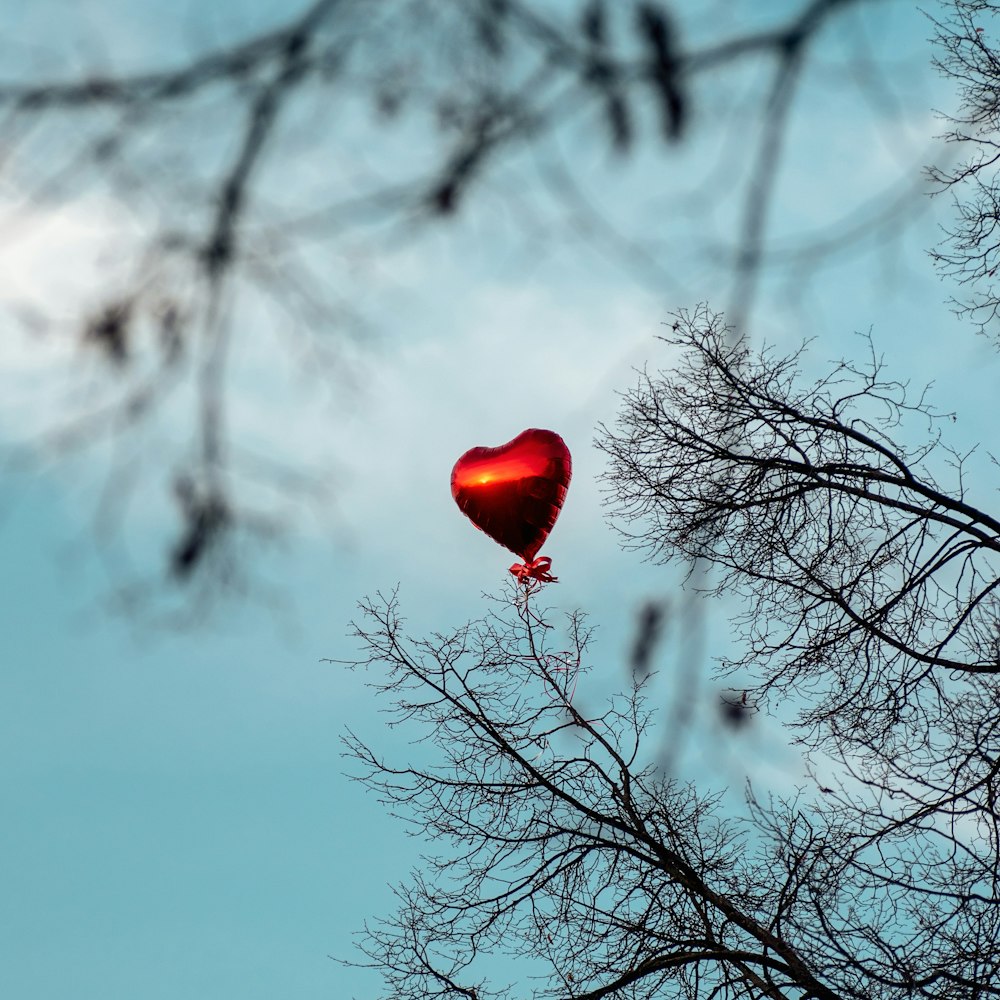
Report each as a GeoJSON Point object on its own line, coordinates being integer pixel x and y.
{"type": "Point", "coordinates": [478, 81]}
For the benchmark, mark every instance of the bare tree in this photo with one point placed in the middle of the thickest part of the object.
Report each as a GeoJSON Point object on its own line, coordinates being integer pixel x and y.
{"type": "Point", "coordinates": [970, 251]}
{"type": "Point", "coordinates": [200, 154]}
{"type": "Point", "coordinates": [564, 856]}
{"type": "Point", "coordinates": [869, 589]}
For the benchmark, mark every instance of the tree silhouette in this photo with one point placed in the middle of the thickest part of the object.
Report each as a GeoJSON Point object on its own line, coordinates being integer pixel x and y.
{"type": "Point", "coordinates": [968, 254]}
{"type": "Point", "coordinates": [869, 589]}
{"type": "Point", "coordinates": [202, 156]}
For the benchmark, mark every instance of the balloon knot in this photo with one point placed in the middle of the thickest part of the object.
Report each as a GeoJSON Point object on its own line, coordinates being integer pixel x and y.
{"type": "Point", "coordinates": [537, 569]}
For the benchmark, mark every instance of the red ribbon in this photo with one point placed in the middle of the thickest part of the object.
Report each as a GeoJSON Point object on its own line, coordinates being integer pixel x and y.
{"type": "Point", "coordinates": [537, 569]}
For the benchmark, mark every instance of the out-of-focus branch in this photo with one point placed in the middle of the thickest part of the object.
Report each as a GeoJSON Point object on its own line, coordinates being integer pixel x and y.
{"type": "Point", "coordinates": [482, 81]}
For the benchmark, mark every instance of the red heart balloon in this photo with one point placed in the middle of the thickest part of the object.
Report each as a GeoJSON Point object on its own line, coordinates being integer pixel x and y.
{"type": "Point", "coordinates": [515, 492]}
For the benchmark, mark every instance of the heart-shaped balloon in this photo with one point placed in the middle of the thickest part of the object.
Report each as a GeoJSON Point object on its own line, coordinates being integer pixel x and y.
{"type": "Point", "coordinates": [515, 492]}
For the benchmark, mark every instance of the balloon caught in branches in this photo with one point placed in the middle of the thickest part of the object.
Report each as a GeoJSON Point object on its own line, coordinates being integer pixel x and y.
{"type": "Point", "coordinates": [514, 494]}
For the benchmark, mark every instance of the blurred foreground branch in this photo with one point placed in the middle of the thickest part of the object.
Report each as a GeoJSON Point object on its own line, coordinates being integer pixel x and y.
{"type": "Point", "coordinates": [237, 168]}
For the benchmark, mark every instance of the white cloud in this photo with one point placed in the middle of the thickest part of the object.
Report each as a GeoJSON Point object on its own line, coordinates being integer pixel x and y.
{"type": "Point", "coordinates": [51, 261]}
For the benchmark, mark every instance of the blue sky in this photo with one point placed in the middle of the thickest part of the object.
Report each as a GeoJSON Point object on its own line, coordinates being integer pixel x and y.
{"type": "Point", "coordinates": [175, 818]}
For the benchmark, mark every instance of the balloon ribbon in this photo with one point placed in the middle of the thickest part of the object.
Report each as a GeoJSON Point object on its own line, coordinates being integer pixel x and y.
{"type": "Point", "coordinates": [537, 569]}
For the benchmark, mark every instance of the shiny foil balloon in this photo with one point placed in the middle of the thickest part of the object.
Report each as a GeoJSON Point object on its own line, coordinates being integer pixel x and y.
{"type": "Point", "coordinates": [514, 493]}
